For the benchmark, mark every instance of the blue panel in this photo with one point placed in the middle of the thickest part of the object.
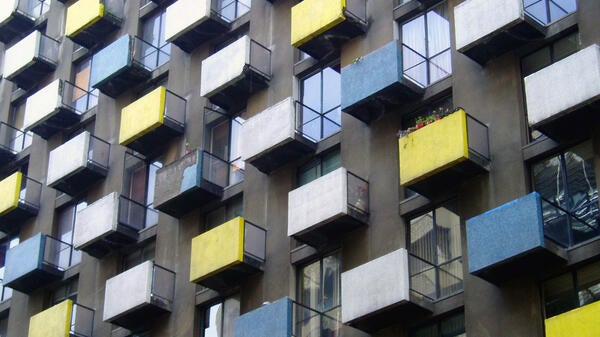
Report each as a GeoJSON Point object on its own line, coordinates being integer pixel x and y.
{"type": "Point", "coordinates": [272, 320]}
{"type": "Point", "coordinates": [192, 175]}
{"type": "Point", "coordinates": [505, 232]}
{"type": "Point", "coordinates": [371, 74]}
{"type": "Point", "coordinates": [24, 258]}
{"type": "Point", "coordinates": [110, 60]}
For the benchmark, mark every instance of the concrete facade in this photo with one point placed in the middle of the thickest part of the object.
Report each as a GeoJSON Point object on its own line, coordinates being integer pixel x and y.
{"type": "Point", "coordinates": [493, 93]}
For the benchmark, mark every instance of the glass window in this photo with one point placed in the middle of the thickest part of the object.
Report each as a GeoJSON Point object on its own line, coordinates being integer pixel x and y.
{"type": "Point", "coordinates": [320, 104]}
{"type": "Point", "coordinates": [143, 253]}
{"type": "Point", "coordinates": [426, 51]}
{"type": "Point", "coordinates": [68, 256]}
{"type": "Point", "coordinates": [21, 140]}
{"type": "Point", "coordinates": [138, 185]}
{"type": "Point", "coordinates": [233, 9]}
{"type": "Point", "coordinates": [548, 11]}
{"type": "Point", "coordinates": [218, 319]}
{"type": "Point", "coordinates": [452, 326]}
{"type": "Point", "coordinates": [5, 245]}
{"type": "Point", "coordinates": [319, 166]}
{"type": "Point", "coordinates": [572, 290]}
{"type": "Point", "coordinates": [223, 140]}
{"type": "Point", "coordinates": [319, 285]}
{"type": "Point", "coordinates": [436, 269]}
{"type": "Point", "coordinates": [551, 53]}
{"type": "Point", "coordinates": [66, 291]}
{"type": "Point", "coordinates": [219, 216]}
{"type": "Point", "coordinates": [82, 101]}
{"type": "Point", "coordinates": [156, 49]}
{"type": "Point", "coordinates": [567, 183]}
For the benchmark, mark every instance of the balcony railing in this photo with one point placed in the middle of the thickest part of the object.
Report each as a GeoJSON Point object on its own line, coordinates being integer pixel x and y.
{"type": "Point", "coordinates": [22, 200]}
{"type": "Point", "coordinates": [30, 58]}
{"type": "Point", "coordinates": [434, 282]}
{"type": "Point", "coordinates": [77, 98]}
{"type": "Point", "coordinates": [316, 126]}
{"type": "Point", "coordinates": [63, 319]}
{"type": "Point", "coordinates": [548, 11]}
{"type": "Point", "coordinates": [12, 141]}
{"type": "Point", "coordinates": [310, 322]}
{"type": "Point", "coordinates": [82, 321]}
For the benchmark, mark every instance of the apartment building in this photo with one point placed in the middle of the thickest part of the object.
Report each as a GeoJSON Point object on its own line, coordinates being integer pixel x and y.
{"type": "Point", "coordinates": [315, 168]}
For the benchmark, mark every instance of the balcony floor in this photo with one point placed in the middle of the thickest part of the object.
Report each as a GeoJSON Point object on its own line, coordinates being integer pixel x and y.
{"type": "Point", "coordinates": [14, 27]}
{"type": "Point", "coordinates": [190, 199]}
{"type": "Point", "coordinates": [9, 223]}
{"type": "Point", "coordinates": [123, 80]}
{"type": "Point", "coordinates": [232, 277]}
{"type": "Point", "coordinates": [28, 77]}
{"type": "Point", "coordinates": [61, 119]}
{"type": "Point", "coordinates": [99, 248]}
{"type": "Point", "coordinates": [330, 41]}
{"type": "Point", "coordinates": [282, 154]}
{"type": "Point", "coordinates": [203, 32]}
{"type": "Point", "coordinates": [81, 180]}
{"type": "Point", "coordinates": [157, 139]}
{"type": "Point", "coordinates": [331, 230]}
{"type": "Point", "coordinates": [140, 318]}
{"type": "Point", "coordinates": [36, 279]}
{"type": "Point", "coordinates": [234, 96]}
{"type": "Point", "coordinates": [94, 34]}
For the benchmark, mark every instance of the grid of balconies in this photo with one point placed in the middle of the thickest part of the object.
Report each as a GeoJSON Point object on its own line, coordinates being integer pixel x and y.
{"type": "Point", "coordinates": [21, 197]}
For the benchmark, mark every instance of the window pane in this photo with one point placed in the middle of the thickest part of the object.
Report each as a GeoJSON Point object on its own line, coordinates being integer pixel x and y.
{"type": "Point", "coordinates": [588, 284]}
{"type": "Point", "coordinates": [311, 92]}
{"type": "Point", "coordinates": [413, 35]}
{"type": "Point", "coordinates": [310, 285]}
{"type": "Point", "coordinates": [559, 295]}
{"type": "Point", "coordinates": [331, 89]}
{"type": "Point", "coordinates": [438, 30]}
{"type": "Point", "coordinates": [309, 172]}
{"type": "Point", "coordinates": [421, 237]}
{"type": "Point", "coordinates": [448, 235]}
{"type": "Point", "coordinates": [213, 320]}
{"type": "Point", "coordinates": [331, 162]}
{"type": "Point", "coordinates": [330, 283]}
{"type": "Point", "coordinates": [440, 66]}
{"type": "Point", "coordinates": [453, 326]}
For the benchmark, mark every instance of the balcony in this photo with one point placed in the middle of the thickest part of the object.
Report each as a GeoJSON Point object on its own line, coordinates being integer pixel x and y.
{"type": "Point", "coordinates": [64, 319]}
{"type": "Point", "coordinates": [21, 201]}
{"type": "Point", "coordinates": [30, 59]}
{"type": "Point", "coordinates": [75, 165]}
{"type": "Point", "coordinates": [36, 263]}
{"type": "Point", "coordinates": [375, 81]}
{"type": "Point", "coordinates": [275, 138]}
{"type": "Point", "coordinates": [232, 74]}
{"type": "Point", "coordinates": [328, 207]}
{"type": "Point", "coordinates": [320, 29]}
{"type": "Point", "coordinates": [560, 104]}
{"type": "Point", "coordinates": [185, 184]}
{"type": "Point", "coordinates": [150, 122]}
{"type": "Point", "coordinates": [124, 64]}
{"type": "Point", "coordinates": [134, 298]}
{"type": "Point", "coordinates": [90, 21]}
{"type": "Point", "coordinates": [379, 292]}
{"type": "Point", "coordinates": [487, 29]}
{"type": "Point", "coordinates": [525, 236]}
{"type": "Point", "coordinates": [56, 107]}
{"type": "Point", "coordinates": [12, 141]}
{"type": "Point", "coordinates": [443, 153]}
{"type": "Point", "coordinates": [224, 255]}
{"type": "Point", "coordinates": [20, 16]}
{"type": "Point", "coordinates": [108, 224]}
{"type": "Point", "coordinates": [284, 317]}
{"type": "Point", "coordinates": [192, 22]}
{"type": "Point", "coordinates": [580, 322]}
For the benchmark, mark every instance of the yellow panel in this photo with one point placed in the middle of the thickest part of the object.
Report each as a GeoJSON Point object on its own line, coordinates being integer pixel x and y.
{"type": "Point", "coordinates": [142, 116]}
{"type": "Point", "coordinates": [312, 18]}
{"type": "Point", "coordinates": [83, 14]}
{"type": "Point", "coordinates": [433, 148]}
{"type": "Point", "coordinates": [52, 322]}
{"type": "Point", "coordinates": [580, 322]}
{"type": "Point", "coordinates": [10, 189]}
{"type": "Point", "coordinates": [217, 250]}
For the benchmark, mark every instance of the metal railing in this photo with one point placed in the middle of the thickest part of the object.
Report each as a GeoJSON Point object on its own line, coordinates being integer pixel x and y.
{"type": "Point", "coordinates": [314, 125]}
{"type": "Point", "coordinates": [82, 321]}
{"type": "Point", "coordinates": [309, 322]}
{"type": "Point", "coordinates": [98, 152]}
{"type": "Point", "coordinates": [132, 213]}
{"type": "Point", "coordinates": [58, 254]}
{"type": "Point", "coordinates": [357, 194]}
{"type": "Point", "coordinates": [79, 99]}
{"type": "Point", "coordinates": [255, 241]}
{"type": "Point", "coordinates": [12, 139]}
{"type": "Point", "coordinates": [148, 55]}
{"type": "Point", "coordinates": [215, 169]}
{"type": "Point", "coordinates": [230, 11]}
{"type": "Point", "coordinates": [568, 228]}
{"type": "Point", "coordinates": [478, 137]}
{"type": "Point", "coordinates": [48, 50]}
{"type": "Point", "coordinates": [33, 9]}
{"type": "Point", "coordinates": [433, 282]}
{"type": "Point", "coordinates": [260, 59]}
{"type": "Point", "coordinates": [163, 285]}
{"type": "Point", "coordinates": [30, 193]}
{"type": "Point", "coordinates": [175, 107]}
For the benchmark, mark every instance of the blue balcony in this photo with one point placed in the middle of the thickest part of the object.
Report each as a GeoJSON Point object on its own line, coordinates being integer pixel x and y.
{"type": "Point", "coordinates": [36, 262]}
{"type": "Point", "coordinates": [525, 236]}
{"type": "Point", "coordinates": [374, 81]}
{"type": "Point", "coordinates": [123, 64]}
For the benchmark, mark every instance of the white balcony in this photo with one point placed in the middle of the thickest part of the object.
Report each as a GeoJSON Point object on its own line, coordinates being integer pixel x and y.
{"type": "Point", "coordinates": [29, 59]}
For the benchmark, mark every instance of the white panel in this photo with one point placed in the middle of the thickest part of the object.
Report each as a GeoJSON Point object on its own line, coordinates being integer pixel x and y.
{"type": "Point", "coordinates": [269, 128]}
{"type": "Point", "coordinates": [375, 285]}
{"type": "Point", "coordinates": [23, 52]}
{"type": "Point", "coordinates": [42, 105]}
{"type": "Point", "coordinates": [96, 220]}
{"type": "Point", "coordinates": [564, 85]}
{"type": "Point", "coordinates": [7, 8]}
{"type": "Point", "coordinates": [184, 15]}
{"type": "Point", "coordinates": [68, 158]}
{"type": "Point", "coordinates": [128, 290]}
{"type": "Point", "coordinates": [225, 66]}
{"type": "Point", "coordinates": [317, 202]}
{"type": "Point", "coordinates": [476, 19]}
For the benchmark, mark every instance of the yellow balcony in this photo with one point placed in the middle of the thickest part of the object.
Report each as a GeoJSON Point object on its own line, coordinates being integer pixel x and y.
{"type": "Point", "coordinates": [89, 21]}
{"type": "Point", "coordinates": [20, 200]}
{"type": "Point", "coordinates": [320, 27]}
{"type": "Point", "coordinates": [448, 150]}
{"type": "Point", "coordinates": [580, 322]}
{"type": "Point", "coordinates": [222, 255]}
{"type": "Point", "coordinates": [63, 320]}
{"type": "Point", "coordinates": [152, 120]}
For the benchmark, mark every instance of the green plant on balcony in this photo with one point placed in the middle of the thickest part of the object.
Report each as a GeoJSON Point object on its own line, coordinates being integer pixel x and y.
{"type": "Point", "coordinates": [433, 115]}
